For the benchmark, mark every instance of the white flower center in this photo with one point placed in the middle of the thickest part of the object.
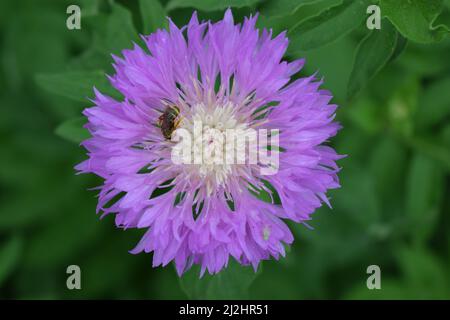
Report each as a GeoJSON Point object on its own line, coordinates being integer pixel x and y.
{"type": "Point", "coordinates": [211, 129]}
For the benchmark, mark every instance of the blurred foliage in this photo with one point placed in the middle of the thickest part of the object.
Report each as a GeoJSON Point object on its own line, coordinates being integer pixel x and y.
{"type": "Point", "coordinates": [393, 88]}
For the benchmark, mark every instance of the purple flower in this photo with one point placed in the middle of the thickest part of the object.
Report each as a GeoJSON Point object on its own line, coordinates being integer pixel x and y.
{"type": "Point", "coordinates": [227, 76]}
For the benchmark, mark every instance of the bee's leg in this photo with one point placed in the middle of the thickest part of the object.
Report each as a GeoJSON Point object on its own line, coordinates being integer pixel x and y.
{"type": "Point", "coordinates": [177, 123]}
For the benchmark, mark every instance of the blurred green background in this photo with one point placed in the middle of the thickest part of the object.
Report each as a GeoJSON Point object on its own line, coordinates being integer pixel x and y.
{"type": "Point", "coordinates": [393, 88]}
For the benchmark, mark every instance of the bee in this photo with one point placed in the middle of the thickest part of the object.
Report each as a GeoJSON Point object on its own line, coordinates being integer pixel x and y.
{"type": "Point", "coordinates": [169, 121]}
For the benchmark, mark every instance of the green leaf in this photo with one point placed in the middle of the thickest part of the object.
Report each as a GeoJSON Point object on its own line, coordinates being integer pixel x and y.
{"type": "Point", "coordinates": [232, 282]}
{"type": "Point", "coordinates": [9, 256]}
{"type": "Point", "coordinates": [280, 8]}
{"type": "Point", "coordinates": [390, 290]}
{"type": "Point", "coordinates": [372, 54]}
{"type": "Point", "coordinates": [424, 274]}
{"type": "Point", "coordinates": [432, 147]}
{"type": "Point", "coordinates": [110, 267]}
{"type": "Point", "coordinates": [336, 70]}
{"type": "Point", "coordinates": [423, 196]}
{"type": "Point", "coordinates": [91, 59]}
{"type": "Point", "coordinates": [76, 85]}
{"type": "Point", "coordinates": [89, 7]}
{"type": "Point", "coordinates": [434, 105]}
{"type": "Point", "coordinates": [209, 5]}
{"type": "Point", "coordinates": [445, 134]}
{"type": "Point", "coordinates": [442, 22]}
{"type": "Point", "coordinates": [367, 115]}
{"type": "Point", "coordinates": [415, 18]}
{"type": "Point", "coordinates": [73, 130]}
{"type": "Point", "coordinates": [360, 197]}
{"type": "Point", "coordinates": [114, 32]}
{"type": "Point", "coordinates": [153, 15]}
{"type": "Point", "coordinates": [427, 60]}
{"type": "Point", "coordinates": [165, 285]}
{"type": "Point", "coordinates": [402, 106]}
{"type": "Point", "coordinates": [35, 203]}
{"type": "Point", "coordinates": [283, 15]}
{"type": "Point", "coordinates": [58, 242]}
{"type": "Point", "coordinates": [402, 42]}
{"type": "Point", "coordinates": [328, 26]}
{"type": "Point", "coordinates": [388, 154]}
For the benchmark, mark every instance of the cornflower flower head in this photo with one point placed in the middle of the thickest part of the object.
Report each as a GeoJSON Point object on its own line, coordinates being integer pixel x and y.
{"type": "Point", "coordinates": [204, 205]}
